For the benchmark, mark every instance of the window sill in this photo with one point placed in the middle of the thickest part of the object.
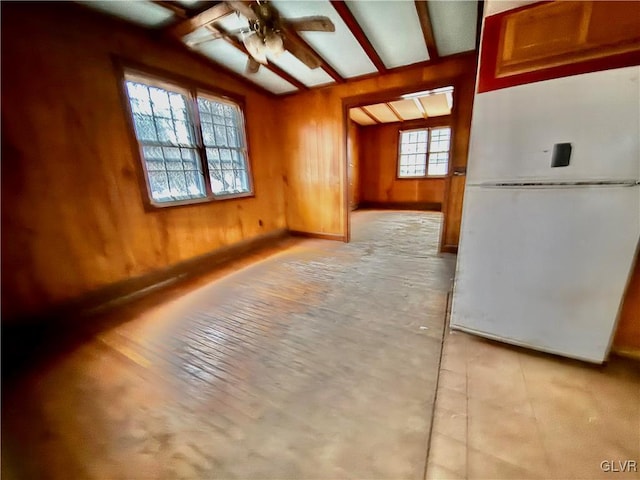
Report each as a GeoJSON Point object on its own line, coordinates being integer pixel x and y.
{"type": "Point", "coordinates": [153, 206]}
{"type": "Point", "coordinates": [430, 177]}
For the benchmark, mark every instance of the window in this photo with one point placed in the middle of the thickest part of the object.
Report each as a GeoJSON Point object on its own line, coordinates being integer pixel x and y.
{"type": "Point", "coordinates": [192, 144]}
{"type": "Point", "coordinates": [424, 152]}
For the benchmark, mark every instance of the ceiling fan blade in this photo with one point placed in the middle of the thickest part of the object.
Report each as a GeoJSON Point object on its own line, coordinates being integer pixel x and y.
{"type": "Point", "coordinates": [302, 53]}
{"type": "Point", "coordinates": [252, 65]}
{"type": "Point", "coordinates": [243, 8]}
{"type": "Point", "coordinates": [219, 32]}
{"type": "Point", "coordinates": [311, 24]}
{"type": "Point", "coordinates": [215, 34]}
{"type": "Point", "coordinates": [201, 41]}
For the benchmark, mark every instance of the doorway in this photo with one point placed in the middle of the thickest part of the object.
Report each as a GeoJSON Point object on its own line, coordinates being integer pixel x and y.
{"type": "Point", "coordinates": [402, 151]}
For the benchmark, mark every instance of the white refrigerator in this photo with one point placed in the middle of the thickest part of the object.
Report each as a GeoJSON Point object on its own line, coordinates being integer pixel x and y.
{"type": "Point", "coordinates": [546, 251]}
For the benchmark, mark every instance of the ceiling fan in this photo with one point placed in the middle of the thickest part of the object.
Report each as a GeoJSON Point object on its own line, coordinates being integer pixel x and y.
{"type": "Point", "coordinates": [267, 33]}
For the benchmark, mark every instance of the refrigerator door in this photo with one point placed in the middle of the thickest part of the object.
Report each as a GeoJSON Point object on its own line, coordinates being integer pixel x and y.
{"type": "Point", "coordinates": [514, 129]}
{"type": "Point", "coordinates": [546, 268]}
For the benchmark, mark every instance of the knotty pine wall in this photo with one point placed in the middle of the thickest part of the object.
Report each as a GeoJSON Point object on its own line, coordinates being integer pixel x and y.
{"type": "Point", "coordinates": [353, 140]}
{"type": "Point", "coordinates": [379, 165]}
{"type": "Point", "coordinates": [314, 133]}
{"type": "Point", "coordinates": [72, 215]}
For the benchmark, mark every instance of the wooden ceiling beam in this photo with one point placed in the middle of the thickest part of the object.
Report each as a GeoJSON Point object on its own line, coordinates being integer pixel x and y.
{"type": "Point", "coordinates": [422, 7]}
{"type": "Point", "coordinates": [202, 19]}
{"type": "Point", "coordinates": [370, 115]}
{"type": "Point", "coordinates": [395, 112]}
{"type": "Point", "coordinates": [418, 103]}
{"type": "Point", "coordinates": [270, 66]}
{"type": "Point", "coordinates": [358, 33]}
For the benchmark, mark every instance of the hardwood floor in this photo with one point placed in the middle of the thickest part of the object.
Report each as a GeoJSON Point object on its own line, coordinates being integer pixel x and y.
{"type": "Point", "coordinates": [319, 360]}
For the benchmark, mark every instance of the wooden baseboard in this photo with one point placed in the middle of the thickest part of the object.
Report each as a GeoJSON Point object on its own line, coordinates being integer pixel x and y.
{"type": "Point", "coordinates": [449, 249]}
{"type": "Point", "coordinates": [323, 236]}
{"type": "Point", "coordinates": [428, 206]}
{"type": "Point", "coordinates": [627, 352]}
{"type": "Point", "coordinates": [134, 287]}
{"type": "Point", "coordinates": [29, 341]}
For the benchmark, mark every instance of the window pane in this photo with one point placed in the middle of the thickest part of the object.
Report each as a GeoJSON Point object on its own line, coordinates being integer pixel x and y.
{"type": "Point", "coordinates": [139, 97]}
{"type": "Point", "coordinates": [178, 106]}
{"type": "Point", "coordinates": [203, 106]}
{"type": "Point", "coordinates": [438, 163]}
{"type": "Point", "coordinates": [227, 171]}
{"type": "Point", "coordinates": [159, 185]}
{"type": "Point", "coordinates": [155, 166]}
{"type": "Point", "coordinates": [171, 153]}
{"type": "Point", "coordinates": [220, 136]}
{"type": "Point", "coordinates": [195, 183]}
{"type": "Point", "coordinates": [440, 140]}
{"type": "Point", "coordinates": [233, 137]}
{"type": "Point", "coordinates": [152, 153]}
{"type": "Point", "coordinates": [145, 128]}
{"type": "Point", "coordinates": [183, 133]}
{"type": "Point", "coordinates": [160, 102]}
{"type": "Point", "coordinates": [413, 149]}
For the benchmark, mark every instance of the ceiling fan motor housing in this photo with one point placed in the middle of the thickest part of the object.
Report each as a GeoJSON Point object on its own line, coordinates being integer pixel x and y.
{"type": "Point", "coordinates": [267, 21]}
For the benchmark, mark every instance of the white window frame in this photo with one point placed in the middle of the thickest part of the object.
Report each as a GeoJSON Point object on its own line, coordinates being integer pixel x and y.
{"type": "Point", "coordinates": [426, 153]}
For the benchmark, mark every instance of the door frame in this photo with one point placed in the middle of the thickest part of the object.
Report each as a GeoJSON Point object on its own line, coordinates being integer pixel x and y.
{"type": "Point", "coordinates": [390, 95]}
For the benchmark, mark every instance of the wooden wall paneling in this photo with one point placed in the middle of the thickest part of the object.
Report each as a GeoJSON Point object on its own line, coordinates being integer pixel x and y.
{"type": "Point", "coordinates": [316, 193]}
{"type": "Point", "coordinates": [353, 146]}
{"type": "Point", "coordinates": [379, 161]}
{"type": "Point", "coordinates": [454, 188]}
{"type": "Point", "coordinates": [627, 338]}
{"type": "Point", "coordinates": [72, 216]}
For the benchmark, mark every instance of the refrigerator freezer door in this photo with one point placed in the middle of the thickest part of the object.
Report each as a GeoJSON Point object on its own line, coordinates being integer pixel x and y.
{"type": "Point", "coordinates": [546, 268]}
{"type": "Point", "coordinates": [515, 129]}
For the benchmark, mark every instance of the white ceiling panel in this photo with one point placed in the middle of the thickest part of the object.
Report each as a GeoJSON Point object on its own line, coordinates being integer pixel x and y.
{"type": "Point", "coordinates": [340, 48]}
{"type": "Point", "coordinates": [393, 28]}
{"type": "Point", "coordinates": [407, 109]}
{"type": "Point", "coordinates": [295, 67]}
{"type": "Point", "coordinates": [229, 56]}
{"type": "Point", "coordinates": [361, 118]}
{"type": "Point", "coordinates": [144, 13]}
{"type": "Point", "coordinates": [188, 3]}
{"type": "Point", "coordinates": [454, 25]}
{"type": "Point", "coordinates": [436, 105]}
{"type": "Point", "coordinates": [382, 113]}
{"type": "Point", "coordinates": [232, 22]}
{"type": "Point", "coordinates": [197, 36]}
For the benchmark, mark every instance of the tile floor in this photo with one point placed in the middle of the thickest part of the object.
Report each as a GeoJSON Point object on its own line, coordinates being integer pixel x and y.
{"type": "Point", "coordinates": [504, 412]}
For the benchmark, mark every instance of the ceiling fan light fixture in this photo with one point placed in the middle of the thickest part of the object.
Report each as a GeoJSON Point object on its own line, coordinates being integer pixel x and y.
{"type": "Point", "coordinates": [274, 43]}
{"type": "Point", "coordinates": [256, 48]}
